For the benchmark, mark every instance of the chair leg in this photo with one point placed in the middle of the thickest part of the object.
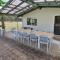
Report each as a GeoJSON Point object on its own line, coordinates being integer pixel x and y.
{"type": "Point", "coordinates": [27, 40]}
{"type": "Point", "coordinates": [38, 42]}
{"type": "Point", "coordinates": [22, 40]}
{"type": "Point", "coordinates": [18, 40]}
{"type": "Point", "coordinates": [47, 48]}
{"type": "Point", "coordinates": [30, 41]}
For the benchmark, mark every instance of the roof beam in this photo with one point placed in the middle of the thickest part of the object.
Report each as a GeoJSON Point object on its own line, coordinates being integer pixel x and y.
{"type": "Point", "coordinates": [51, 4]}
{"type": "Point", "coordinates": [15, 7]}
{"type": "Point", "coordinates": [8, 14]}
{"type": "Point", "coordinates": [28, 1]}
{"type": "Point", "coordinates": [32, 9]}
{"type": "Point", "coordinates": [21, 9]}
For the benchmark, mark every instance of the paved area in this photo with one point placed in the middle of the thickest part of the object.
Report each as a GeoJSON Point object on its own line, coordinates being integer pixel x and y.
{"type": "Point", "coordinates": [10, 50]}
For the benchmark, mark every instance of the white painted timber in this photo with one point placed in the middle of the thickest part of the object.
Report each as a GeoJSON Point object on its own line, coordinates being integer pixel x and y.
{"type": "Point", "coordinates": [45, 18]}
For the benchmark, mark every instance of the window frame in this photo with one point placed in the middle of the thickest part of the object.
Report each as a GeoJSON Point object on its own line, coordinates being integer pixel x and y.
{"type": "Point", "coordinates": [32, 21]}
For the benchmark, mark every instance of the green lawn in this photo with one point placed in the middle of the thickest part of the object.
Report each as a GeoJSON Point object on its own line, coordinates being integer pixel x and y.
{"type": "Point", "coordinates": [11, 25]}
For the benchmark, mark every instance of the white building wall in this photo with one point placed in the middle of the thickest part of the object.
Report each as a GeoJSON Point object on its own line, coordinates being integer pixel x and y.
{"type": "Point", "coordinates": [45, 18]}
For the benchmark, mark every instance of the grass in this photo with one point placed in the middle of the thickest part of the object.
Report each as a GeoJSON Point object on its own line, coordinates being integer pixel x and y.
{"type": "Point", "coordinates": [11, 25]}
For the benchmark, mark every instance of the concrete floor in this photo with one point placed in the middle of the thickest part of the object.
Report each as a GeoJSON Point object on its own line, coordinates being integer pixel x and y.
{"type": "Point", "coordinates": [10, 50]}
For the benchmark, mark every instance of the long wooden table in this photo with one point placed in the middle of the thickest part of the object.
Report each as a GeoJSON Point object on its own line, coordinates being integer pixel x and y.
{"type": "Point", "coordinates": [39, 33]}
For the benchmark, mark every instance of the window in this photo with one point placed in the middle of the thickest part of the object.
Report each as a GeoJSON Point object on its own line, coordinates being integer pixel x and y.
{"type": "Point", "coordinates": [31, 21]}
{"type": "Point", "coordinates": [34, 21]}
{"type": "Point", "coordinates": [28, 21]}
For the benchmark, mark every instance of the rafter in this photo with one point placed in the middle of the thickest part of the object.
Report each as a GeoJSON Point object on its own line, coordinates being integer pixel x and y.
{"type": "Point", "coordinates": [51, 4]}
{"type": "Point", "coordinates": [27, 11]}
{"type": "Point", "coordinates": [21, 9]}
{"type": "Point", "coordinates": [15, 7]}
{"type": "Point", "coordinates": [8, 14]}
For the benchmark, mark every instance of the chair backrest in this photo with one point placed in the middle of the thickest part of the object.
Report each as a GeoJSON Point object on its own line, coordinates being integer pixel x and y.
{"type": "Point", "coordinates": [44, 39]}
{"type": "Point", "coordinates": [26, 34]}
{"type": "Point", "coordinates": [33, 36]}
{"type": "Point", "coordinates": [19, 33]}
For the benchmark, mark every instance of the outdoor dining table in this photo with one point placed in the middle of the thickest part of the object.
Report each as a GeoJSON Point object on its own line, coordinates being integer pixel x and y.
{"type": "Point", "coordinates": [39, 33]}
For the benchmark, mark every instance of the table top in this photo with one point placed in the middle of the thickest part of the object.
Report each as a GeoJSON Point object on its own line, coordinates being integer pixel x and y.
{"type": "Point", "coordinates": [39, 33]}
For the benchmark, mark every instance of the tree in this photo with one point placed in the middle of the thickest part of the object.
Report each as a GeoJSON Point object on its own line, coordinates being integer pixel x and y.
{"type": "Point", "coordinates": [2, 3]}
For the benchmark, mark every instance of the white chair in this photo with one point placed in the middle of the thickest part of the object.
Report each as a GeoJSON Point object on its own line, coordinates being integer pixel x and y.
{"type": "Point", "coordinates": [44, 40]}
{"type": "Point", "coordinates": [33, 40]}
{"type": "Point", "coordinates": [25, 38]}
{"type": "Point", "coordinates": [13, 36]}
{"type": "Point", "coordinates": [20, 37]}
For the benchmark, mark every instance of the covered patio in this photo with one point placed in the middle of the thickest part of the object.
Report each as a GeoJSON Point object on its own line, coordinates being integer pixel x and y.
{"type": "Point", "coordinates": [37, 34]}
